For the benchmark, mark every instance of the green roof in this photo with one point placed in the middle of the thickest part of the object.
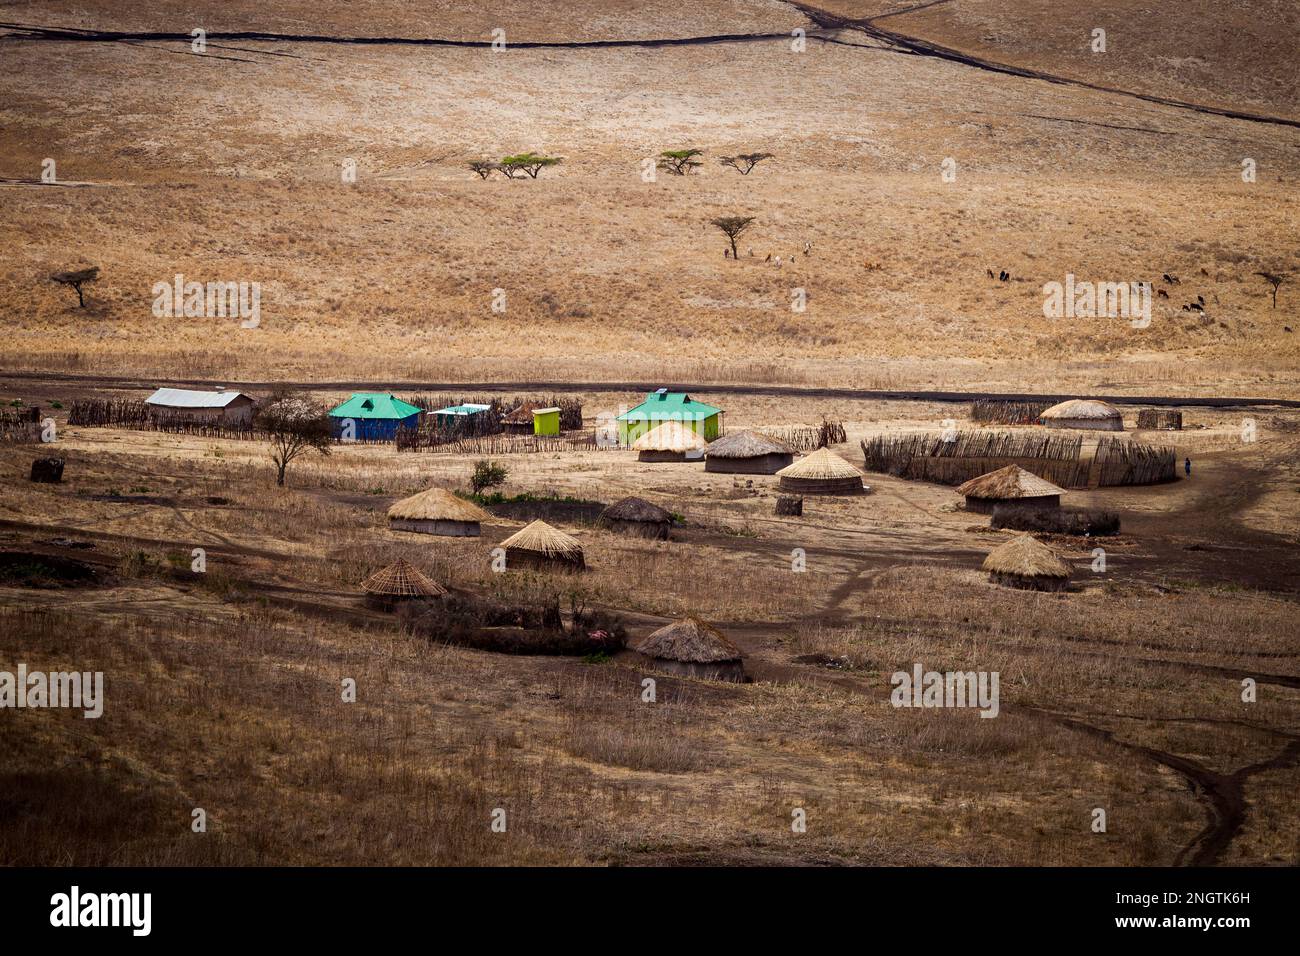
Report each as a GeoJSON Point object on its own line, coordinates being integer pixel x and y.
{"type": "Point", "coordinates": [374, 405]}
{"type": "Point", "coordinates": [665, 404]}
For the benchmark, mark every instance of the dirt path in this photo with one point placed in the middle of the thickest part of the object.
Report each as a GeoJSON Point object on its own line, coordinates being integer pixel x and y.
{"type": "Point", "coordinates": [920, 47]}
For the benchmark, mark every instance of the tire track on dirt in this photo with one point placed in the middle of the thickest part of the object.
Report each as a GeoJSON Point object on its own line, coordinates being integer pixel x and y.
{"type": "Point", "coordinates": [926, 48]}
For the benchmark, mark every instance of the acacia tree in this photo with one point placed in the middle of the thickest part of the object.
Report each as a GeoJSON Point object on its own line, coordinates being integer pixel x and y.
{"type": "Point", "coordinates": [744, 162]}
{"type": "Point", "coordinates": [530, 163]}
{"type": "Point", "coordinates": [679, 162]}
{"type": "Point", "coordinates": [1275, 279]}
{"type": "Point", "coordinates": [294, 425]}
{"type": "Point", "coordinates": [483, 167]}
{"type": "Point", "coordinates": [732, 227]}
{"type": "Point", "coordinates": [76, 279]}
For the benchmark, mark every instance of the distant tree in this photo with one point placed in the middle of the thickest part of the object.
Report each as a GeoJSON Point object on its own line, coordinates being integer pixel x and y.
{"type": "Point", "coordinates": [76, 279]}
{"type": "Point", "coordinates": [744, 162]}
{"type": "Point", "coordinates": [484, 167]}
{"type": "Point", "coordinates": [294, 425]}
{"type": "Point", "coordinates": [732, 227]}
{"type": "Point", "coordinates": [679, 162]}
{"type": "Point", "coordinates": [530, 163]}
{"type": "Point", "coordinates": [1275, 279]}
{"type": "Point", "coordinates": [487, 474]}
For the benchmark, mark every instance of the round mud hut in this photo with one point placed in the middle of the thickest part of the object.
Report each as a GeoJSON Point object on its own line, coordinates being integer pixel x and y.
{"type": "Point", "coordinates": [821, 473]}
{"type": "Point", "coordinates": [399, 583]}
{"type": "Point", "coordinates": [694, 649]}
{"type": "Point", "coordinates": [437, 511]}
{"type": "Point", "coordinates": [1086, 413]}
{"type": "Point", "coordinates": [540, 546]}
{"type": "Point", "coordinates": [1011, 485]}
{"type": "Point", "coordinates": [671, 441]}
{"type": "Point", "coordinates": [748, 453]}
{"type": "Point", "coordinates": [1025, 562]}
{"type": "Point", "coordinates": [636, 516]}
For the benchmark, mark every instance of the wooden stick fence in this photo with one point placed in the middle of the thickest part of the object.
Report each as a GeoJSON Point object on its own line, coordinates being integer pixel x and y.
{"type": "Point", "coordinates": [993, 412]}
{"type": "Point", "coordinates": [1121, 462]}
{"type": "Point", "coordinates": [928, 457]}
{"type": "Point", "coordinates": [408, 440]}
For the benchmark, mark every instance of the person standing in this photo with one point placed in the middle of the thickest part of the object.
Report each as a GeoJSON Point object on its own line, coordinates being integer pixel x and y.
{"type": "Point", "coordinates": [1187, 467]}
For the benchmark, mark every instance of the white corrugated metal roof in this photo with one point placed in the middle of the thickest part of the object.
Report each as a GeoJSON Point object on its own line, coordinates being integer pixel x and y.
{"type": "Point", "coordinates": [186, 398]}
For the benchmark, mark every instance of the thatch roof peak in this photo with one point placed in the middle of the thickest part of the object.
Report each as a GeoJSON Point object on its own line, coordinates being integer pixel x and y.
{"type": "Point", "coordinates": [669, 436]}
{"type": "Point", "coordinates": [690, 640]}
{"type": "Point", "coordinates": [402, 579]}
{"type": "Point", "coordinates": [821, 464]}
{"type": "Point", "coordinates": [747, 444]}
{"type": "Point", "coordinates": [1009, 482]}
{"type": "Point", "coordinates": [1026, 557]}
{"type": "Point", "coordinates": [1085, 408]}
{"type": "Point", "coordinates": [543, 539]}
{"type": "Point", "coordinates": [633, 508]}
{"type": "Point", "coordinates": [437, 504]}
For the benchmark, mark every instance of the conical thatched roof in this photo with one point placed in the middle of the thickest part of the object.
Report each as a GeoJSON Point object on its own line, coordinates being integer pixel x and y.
{"type": "Point", "coordinates": [1026, 557]}
{"type": "Point", "coordinates": [437, 504]}
{"type": "Point", "coordinates": [402, 579]}
{"type": "Point", "coordinates": [1083, 408]}
{"type": "Point", "coordinates": [1009, 482]}
{"type": "Point", "coordinates": [636, 509]}
{"type": "Point", "coordinates": [690, 640]}
{"type": "Point", "coordinates": [541, 538]}
{"type": "Point", "coordinates": [821, 464]}
{"type": "Point", "coordinates": [747, 444]}
{"type": "Point", "coordinates": [670, 436]}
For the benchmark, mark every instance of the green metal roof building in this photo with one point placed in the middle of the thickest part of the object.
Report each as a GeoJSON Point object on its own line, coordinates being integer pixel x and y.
{"type": "Point", "coordinates": [374, 415]}
{"type": "Point", "coordinates": [662, 406]}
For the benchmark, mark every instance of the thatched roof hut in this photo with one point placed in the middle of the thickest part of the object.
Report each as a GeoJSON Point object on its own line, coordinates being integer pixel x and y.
{"type": "Point", "coordinates": [437, 511]}
{"type": "Point", "coordinates": [695, 649]}
{"type": "Point", "coordinates": [1025, 562]}
{"type": "Point", "coordinates": [400, 581]}
{"type": "Point", "coordinates": [1084, 413]}
{"type": "Point", "coordinates": [671, 441]}
{"type": "Point", "coordinates": [521, 418]}
{"type": "Point", "coordinates": [1011, 485]}
{"type": "Point", "coordinates": [539, 545]}
{"type": "Point", "coordinates": [749, 453]}
{"type": "Point", "coordinates": [821, 473]}
{"type": "Point", "coordinates": [637, 516]}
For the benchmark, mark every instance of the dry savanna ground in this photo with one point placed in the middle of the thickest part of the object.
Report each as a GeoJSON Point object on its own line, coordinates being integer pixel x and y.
{"type": "Point", "coordinates": [227, 166]}
{"type": "Point", "coordinates": [223, 688]}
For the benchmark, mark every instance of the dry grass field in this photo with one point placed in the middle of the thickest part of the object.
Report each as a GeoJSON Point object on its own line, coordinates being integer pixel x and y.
{"type": "Point", "coordinates": [223, 688]}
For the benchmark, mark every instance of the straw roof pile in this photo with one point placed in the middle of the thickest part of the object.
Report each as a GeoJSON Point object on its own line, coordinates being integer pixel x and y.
{"type": "Point", "coordinates": [1009, 483]}
{"type": "Point", "coordinates": [540, 538]}
{"type": "Point", "coordinates": [747, 444]}
{"type": "Point", "coordinates": [635, 509]}
{"type": "Point", "coordinates": [1084, 409]}
{"type": "Point", "coordinates": [669, 436]}
{"type": "Point", "coordinates": [1026, 557]}
{"type": "Point", "coordinates": [523, 415]}
{"type": "Point", "coordinates": [437, 504]}
{"type": "Point", "coordinates": [690, 640]}
{"type": "Point", "coordinates": [822, 465]}
{"type": "Point", "coordinates": [402, 579]}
